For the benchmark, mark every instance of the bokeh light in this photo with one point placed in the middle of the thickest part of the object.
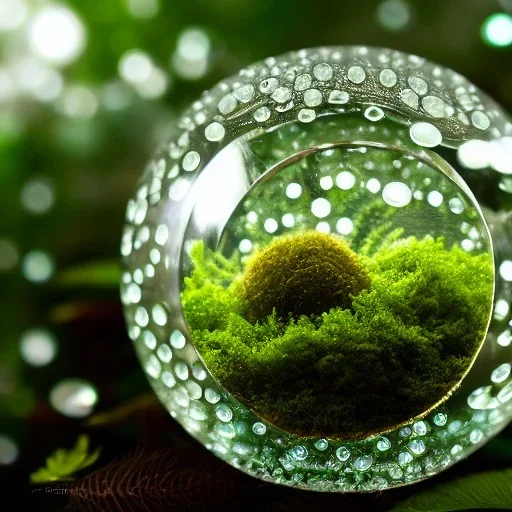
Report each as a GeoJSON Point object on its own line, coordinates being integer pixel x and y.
{"type": "Point", "coordinates": [500, 155]}
{"type": "Point", "coordinates": [505, 184]}
{"type": "Point", "coordinates": [501, 310]}
{"type": "Point", "coordinates": [13, 14]}
{"type": "Point", "coordinates": [74, 398]}
{"type": "Point", "coordinates": [138, 70]}
{"type": "Point", "coordinates": [38, 80]}
{"type": "Point", "coordinates": [497, 30]}
{"type": "Point", "coordinates": [38, 347]}
{"type": "Point", "coordinates": [115, 96]}
{"type": "Point", "coordinates": [37, 196]}
{"type": "Point", "coordinates": [8, 450]}
{"type": "Point", "coordinates": [190, 59]}
{"type": "Point", "coordinates": [394, 15]}
{"type": "Point", "coordinates": [506, 270]}
{"type": "Point", "coordinates": [143, 9]}
{"type": "Point", "coordinates": [344, 226]}
{"type": "Point", "coordinates": [397, 194]}
{"type": "Point", "coordinates": [135, 66]}
{"type": "Point", "coordinates": [79, 101]}
{"type": "Point", "coordinates": [57, 35]}
{"type": "Point", "coordinates": [474, 154]}
{"type": "Point", "coordinates": [37, 266]}
{"type": "Point", "coordinates": [479, 154]}
{"type": "Point", "coordinates": [155, 86]}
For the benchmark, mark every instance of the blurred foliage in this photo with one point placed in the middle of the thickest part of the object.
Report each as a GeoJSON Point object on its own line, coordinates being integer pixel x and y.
{"type": "Point", "coordinates": [103, 273]}
{"type": "Point", "coordinates": [63, 464]}
{"type": "Point", "coordinates": [85, 132]}
{"type": "Point", "coordinates": [488, 491]}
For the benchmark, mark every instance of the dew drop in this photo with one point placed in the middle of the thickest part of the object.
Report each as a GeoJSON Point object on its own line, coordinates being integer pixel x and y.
{"type": "Point", "coordinates": [425, 134]}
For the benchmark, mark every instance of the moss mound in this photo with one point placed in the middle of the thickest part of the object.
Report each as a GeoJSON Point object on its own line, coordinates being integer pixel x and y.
{"type": "Point", "coordinates": [301, 274]}
{"type": "Point", "coordinates": [344, 373]}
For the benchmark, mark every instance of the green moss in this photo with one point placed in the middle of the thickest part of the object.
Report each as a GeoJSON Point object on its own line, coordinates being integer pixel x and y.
{"type": "Point", "coordinates": [387, 356]}
{"type": "Point", "coordinates": [304, 274]}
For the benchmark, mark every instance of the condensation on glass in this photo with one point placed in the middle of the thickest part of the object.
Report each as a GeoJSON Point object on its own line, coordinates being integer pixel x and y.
{"type": "Point", "coordinates": [273, 133]}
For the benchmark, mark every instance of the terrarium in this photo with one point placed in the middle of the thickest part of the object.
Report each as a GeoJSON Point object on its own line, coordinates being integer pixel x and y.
{"type": "Point", "coordinates": [318, 269]}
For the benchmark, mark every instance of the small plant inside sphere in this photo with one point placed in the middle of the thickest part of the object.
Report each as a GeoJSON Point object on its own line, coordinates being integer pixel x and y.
{"type": "Point", "coordinates": [322, 342]}
{"type": "Point", "coordinates": [306, 274]}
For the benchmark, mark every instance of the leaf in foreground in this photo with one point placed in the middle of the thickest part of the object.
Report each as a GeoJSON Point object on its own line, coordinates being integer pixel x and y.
{"type": "Point", "coordinates": [125, 411]}
{"type": "Point", "coordinates": [62, 464]}
{"type": "Point", "coordinates": [490, 490]}
{"type": "Point", "coordinates": [96, 274]}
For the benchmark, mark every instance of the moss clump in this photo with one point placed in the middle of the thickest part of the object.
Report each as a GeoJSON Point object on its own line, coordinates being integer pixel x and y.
{"type": "Point", "coordinates": [301, 274]}
{"type": "Point", "coordinates": [345, 373]}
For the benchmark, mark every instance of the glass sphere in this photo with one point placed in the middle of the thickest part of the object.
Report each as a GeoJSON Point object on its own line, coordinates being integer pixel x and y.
{"type": "Point", "coordinates": [318, 269]}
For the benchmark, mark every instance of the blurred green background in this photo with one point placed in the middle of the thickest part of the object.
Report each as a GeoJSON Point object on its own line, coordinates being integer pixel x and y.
{"type": "Point", "coordinates": [88, 89]}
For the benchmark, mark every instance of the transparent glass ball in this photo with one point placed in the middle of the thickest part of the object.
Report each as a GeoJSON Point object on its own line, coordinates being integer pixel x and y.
{"type": "Point", "coordinates": [373, 147]}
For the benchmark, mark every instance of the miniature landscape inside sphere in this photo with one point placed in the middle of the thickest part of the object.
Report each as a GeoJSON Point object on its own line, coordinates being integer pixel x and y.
{"type": "Point", "coordinates": [381, 355]}
{"type": "Point", "coordinates": [318, 278]}
{"type": "Point", "coordinates": [362, 307]}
